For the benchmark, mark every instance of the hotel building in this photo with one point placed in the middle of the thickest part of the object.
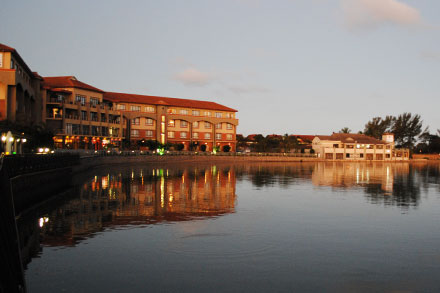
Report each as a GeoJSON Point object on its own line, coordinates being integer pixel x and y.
{"type": "Point", "coordinates": [197, 125]}
{"type": "Point", "coordinates": [85, 117]}
{"type": "Point", "coordinates": [78, 115]}
{"type": "Point", "coordinates": [349, 146]}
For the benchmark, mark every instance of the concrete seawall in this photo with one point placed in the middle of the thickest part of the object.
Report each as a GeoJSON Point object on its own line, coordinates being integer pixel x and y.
{"type": "Point", "coordinates": [90, 162]}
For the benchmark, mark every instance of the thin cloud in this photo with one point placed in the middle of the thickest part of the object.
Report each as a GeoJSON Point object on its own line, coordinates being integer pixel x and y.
{"type": "Point", "coordinates": [372, 13]}
{"type": "Point", "coordinates": [193, 77]}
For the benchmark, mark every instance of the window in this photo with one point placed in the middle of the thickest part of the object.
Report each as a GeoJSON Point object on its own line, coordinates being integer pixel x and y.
{"type": "Point", "coordinates": [208, 114]}
{"type": "Point", "coordinates": [148, 121]}
{"type": "Point", "coordinates": [207, 125]}
{"type": "Point", "coordinates": [335, 145]}
{"type": "Point", "coordinates": [94, 101]}
{"type": "Point", "coordinates": [228, 115]}
{"type": "Point", "coordinates": [361, 155]}
{"type": "Point", "coordinates": [379, 146]}
{"type": "Point", "coordinates": [93, 116]}
{"type": "Point", "coordinates": [183, 124]}
{"type": "Point", "coordinates": [218, 136]}
{"type": "Point", "coordinates": [347, 155]}
{"type": "Point", "coordinates": [207, 135]}
{"type": "Point", "coordinates": [183, 134]}
{"type": "Point", "coordinates": [135, 108]}
{"type": "Point", "coordinates": [171, 134]}
{"type": "Point", "coordinates": [1, 60]}
{"type": "Point", "coordinates": [12, 63]}
{"type": "Point", "coordinates": [229, 126]}
{"type": "Point", "coordinates": [103, 117]}
{"type": "Point", "coordinates": [218, 115]}
{"type": "Point", "coordinates": [135, 132]}
{"type": "Point", "coordinates": [218, 126]}
{"type": "Point", "coordinates": [135, 121]}
{"type": "Point", "coordinates": [387, 156]}
{"type": "Point", "coordinates": [68, 128]}
{"type": "Point", "coordinates": [172, 111]}
{"type": "Point", "coordinates": [104, 131]}
{"type": "Point", "coordinates": [349, 146]}
{"type": "Point", "coordinates": [95, 130]}
{"type": "Point", "coordinates": [83, 115]}
{"type": "Point", "coordinates": [195, 135]}
{"type": "Point", "coordinates": [171, 123]}
{"type": "Point", "coordinates": [183, 112]}
{"type": "Point", "coordinates": [149, 109]}
{"type": "Point", "coordinates": [149, 133]}
{"type": "Point", "coordinates": [195, 124]}
{"type": "Point", "coordinates": [196, 112]}
{"type": "Point", "coordinates": [229, 136]}
{"type": "Point", "coordinates": [121, 107]}
{"type": "Point", "coordinates": [81, 99]}
{"type": "Point", "coordinates": [85, 130]}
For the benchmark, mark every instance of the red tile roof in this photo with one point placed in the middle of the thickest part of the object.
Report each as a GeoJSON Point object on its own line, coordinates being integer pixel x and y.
{"type": "Point", "coordinates": [304, 138]}
{"type": "Point", "coordinates": [351, 138]}
{"type": "Point", "coordinates": [5, 48]}
{"type": "Point", "coordinates": [155, 100]}
{"type": "Point", "coordinates": [68, 82]}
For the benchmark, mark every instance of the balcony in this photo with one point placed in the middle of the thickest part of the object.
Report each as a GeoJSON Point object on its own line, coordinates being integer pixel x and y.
{"type": "Point", "coordinates": [54, 116]}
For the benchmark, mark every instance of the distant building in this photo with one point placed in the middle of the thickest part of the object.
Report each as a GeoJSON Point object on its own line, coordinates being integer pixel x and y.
{"type": "Point", "coordinates": [349, 146]}
{"type": "Point", "coordinates": [197, 125]}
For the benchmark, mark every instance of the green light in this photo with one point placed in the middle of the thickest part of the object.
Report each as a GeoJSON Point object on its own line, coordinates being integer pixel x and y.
{"type": "Point", "coordinates": [14, 153]}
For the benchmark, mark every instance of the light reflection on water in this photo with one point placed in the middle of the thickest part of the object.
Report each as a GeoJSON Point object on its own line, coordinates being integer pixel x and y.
{"type": "Point", "coordinates": [254, 227]}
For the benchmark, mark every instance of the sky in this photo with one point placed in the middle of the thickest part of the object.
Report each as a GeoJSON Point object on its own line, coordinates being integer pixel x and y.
{"type": "Point", "coordinates": [287, 66]}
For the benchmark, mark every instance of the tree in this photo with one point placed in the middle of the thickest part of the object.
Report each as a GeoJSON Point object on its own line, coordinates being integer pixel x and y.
{"type": "Point", "coordinates": [406, 128]}
{"type": "Point", "coordinates": [429, 143]}
{"type": "Point", "coordinates": [378, 126]}
{"type": "Point", "coordinates": [345, 130]}
{"type": "Point", "coordinates": [226, 148]}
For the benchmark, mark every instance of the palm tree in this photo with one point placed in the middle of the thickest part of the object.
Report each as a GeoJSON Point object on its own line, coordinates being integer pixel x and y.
{"type": "Point", "coordinates": [345, 130]}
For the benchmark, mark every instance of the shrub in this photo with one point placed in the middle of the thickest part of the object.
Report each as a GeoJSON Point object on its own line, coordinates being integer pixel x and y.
{"type": "Point", "coordinates": [203, 147]}
{"type": "Point", "coordinates": [226, 148]}
{"type": "Point", "coordinates": [180, 146]}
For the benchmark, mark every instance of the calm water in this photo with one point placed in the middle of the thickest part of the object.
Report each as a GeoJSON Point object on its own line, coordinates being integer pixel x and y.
{"type": "Point", "coordinates": [320, 227]}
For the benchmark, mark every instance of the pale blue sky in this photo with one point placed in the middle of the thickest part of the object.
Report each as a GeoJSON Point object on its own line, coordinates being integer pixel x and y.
{"type": "Point", "coordinates": [288, 66]}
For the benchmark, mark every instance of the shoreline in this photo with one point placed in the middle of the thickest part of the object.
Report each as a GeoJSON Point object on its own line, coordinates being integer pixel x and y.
{"type": "Point", "coordinates": [92, 162]}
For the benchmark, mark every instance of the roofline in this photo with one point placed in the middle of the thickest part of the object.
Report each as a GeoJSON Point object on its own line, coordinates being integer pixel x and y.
{"type": "Point", "coordinates": [139, 95]}
{"type": "Point", "coordinates": [17, 56]}
{"type": "Point", "coordinates": [97, 90]}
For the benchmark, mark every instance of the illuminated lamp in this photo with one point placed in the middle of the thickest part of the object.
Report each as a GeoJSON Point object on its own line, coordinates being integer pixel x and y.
{"type": "Point", "coordinates": [23, 139]}
{"type": "Point", "coordinates": [3, 138]}
{"type": "Point", "coordinates": [11, 139]}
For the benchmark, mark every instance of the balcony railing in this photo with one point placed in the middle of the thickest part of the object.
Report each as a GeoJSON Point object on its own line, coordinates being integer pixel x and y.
{"type": "Point", "coordinates": [56, 116]}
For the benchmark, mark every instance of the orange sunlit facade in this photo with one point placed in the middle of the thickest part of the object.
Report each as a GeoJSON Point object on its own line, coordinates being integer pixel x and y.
{"type": "Point", "coordinates": [78, 115]}
{"type": "Point", "coordinates": [196, 125]}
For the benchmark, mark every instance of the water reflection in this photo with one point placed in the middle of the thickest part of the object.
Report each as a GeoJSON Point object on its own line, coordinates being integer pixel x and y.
{"type": "Point", "coordinates": [289, 214]}
{"type": "Point", "coordinates": [139, 196]}
{"type": "Point", "coordinates": [144, 196]}
{"type": "Point", "coordinates": [389, 184]}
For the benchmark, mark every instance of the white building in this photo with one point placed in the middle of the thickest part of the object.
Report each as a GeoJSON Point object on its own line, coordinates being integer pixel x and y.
{"type": "Point", "coordinates": [350, 146]}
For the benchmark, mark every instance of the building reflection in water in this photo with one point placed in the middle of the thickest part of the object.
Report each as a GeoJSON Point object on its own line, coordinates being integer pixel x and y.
{"type": "Point", "coordinates": [142, 196]}
{"type": "Point", "coordinates": [389, 184]}
{"type": "Point", "coordinates": [138, 197]}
